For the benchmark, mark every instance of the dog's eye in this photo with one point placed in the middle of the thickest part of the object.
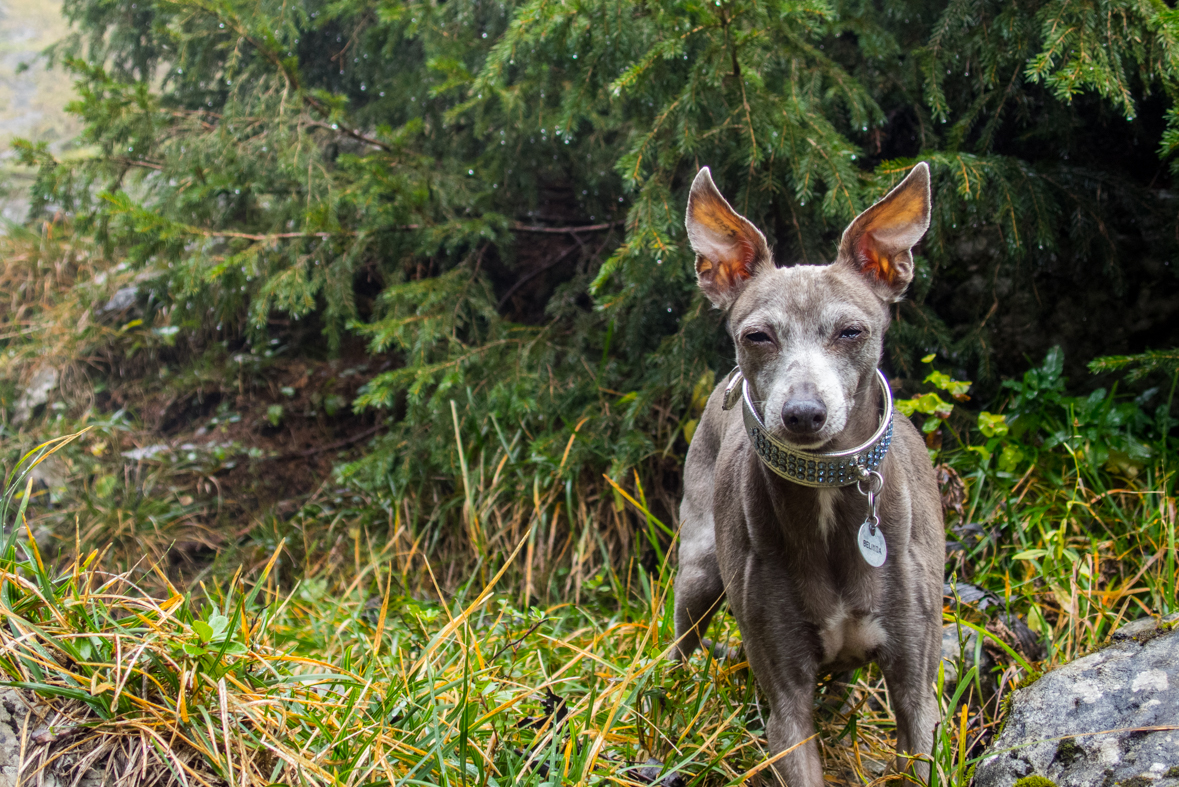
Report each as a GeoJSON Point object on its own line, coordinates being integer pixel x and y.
{"type": "Point", "coordinates": [758, 337]}
{"type": "Point", "coordinates": [850, 333]}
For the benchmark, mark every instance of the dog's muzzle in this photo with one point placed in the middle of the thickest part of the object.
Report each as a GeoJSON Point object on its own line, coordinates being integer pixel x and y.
{"type": "Point", "coordinates": [813, 468]}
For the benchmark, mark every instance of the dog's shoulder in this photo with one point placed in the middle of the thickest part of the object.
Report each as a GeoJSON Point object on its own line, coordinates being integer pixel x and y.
{"type": "Point", "coordinates": [910, 451]}
{"type": "Point", "coordinates": [911, 463]}
{"type": "Point", "coordinates": [716, 424]}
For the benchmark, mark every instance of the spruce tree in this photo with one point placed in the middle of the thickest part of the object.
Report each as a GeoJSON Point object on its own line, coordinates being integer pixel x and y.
{"type": "Point", "coordinates": [490, 194]}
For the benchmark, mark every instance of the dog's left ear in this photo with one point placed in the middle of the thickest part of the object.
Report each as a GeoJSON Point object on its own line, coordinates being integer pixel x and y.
{"type": "Point", "coordinates": [729, 249]}
{"type": "Point", "coordinates": [878, 242]}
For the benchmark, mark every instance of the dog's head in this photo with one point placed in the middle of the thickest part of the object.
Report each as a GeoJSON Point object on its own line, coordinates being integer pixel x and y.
{"type": "Point", "coordinates": [808, 337]}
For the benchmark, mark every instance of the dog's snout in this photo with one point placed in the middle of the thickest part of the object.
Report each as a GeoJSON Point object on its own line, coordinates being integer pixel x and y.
{"type": "Point", "coordinates": [805, 412]}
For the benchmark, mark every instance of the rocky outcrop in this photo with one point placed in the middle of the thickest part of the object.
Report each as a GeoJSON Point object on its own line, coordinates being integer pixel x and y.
{"type": "Point", "coordinates": [960, 652]}
{"type": "Point", "coordinates": [35, 394]}
{"type": "Point", "coordinates": [25, 729]}
{"type": "Point", "coordinates": [1110, 719]}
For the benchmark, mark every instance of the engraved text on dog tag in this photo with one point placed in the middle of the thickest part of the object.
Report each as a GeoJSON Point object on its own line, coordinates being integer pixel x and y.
{"type": "Point", "coordinates": [872, 545]}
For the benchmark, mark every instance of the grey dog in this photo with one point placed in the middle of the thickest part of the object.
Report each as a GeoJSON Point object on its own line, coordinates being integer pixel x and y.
{"type": "Point", "coordinates": [809, 504]}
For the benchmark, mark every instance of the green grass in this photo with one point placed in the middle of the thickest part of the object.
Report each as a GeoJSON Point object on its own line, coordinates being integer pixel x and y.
{"type": "Point", "coordinates": [253, 684]}
{"type": "Point", "coordinates": [373, 637]}
{"type": "Point", "coordinates": [339, 677]}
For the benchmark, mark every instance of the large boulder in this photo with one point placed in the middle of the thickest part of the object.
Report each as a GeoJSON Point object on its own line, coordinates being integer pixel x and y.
{"type": "Point", "coordinates": [1104, 720]}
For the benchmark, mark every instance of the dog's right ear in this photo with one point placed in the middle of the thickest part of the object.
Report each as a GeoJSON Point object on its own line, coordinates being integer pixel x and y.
{"type": "Point", "coordinates": [878, 243]}
{"type": "Point", "coordinates": [729, 249]}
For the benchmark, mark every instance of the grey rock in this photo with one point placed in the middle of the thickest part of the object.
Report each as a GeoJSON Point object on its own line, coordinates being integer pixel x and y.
{"type": "Point", "coordinates": [23, 717]}
{"type": "Point", "coordinates": [960, 652]}
{"type": "Point", "coordinates": [649, 772]}
{"type": "Point", "coordinates": [1088, 723]}
{"type": "Point", "coordinates": [964, 593]}
{"type": "Point", "coordinates": [147, 452]}
{"type": "Point", "coordinates": [49, 481]}
{"type": "Point", "coordinates": [122, 300]}
{"type": "Point", "coordinates": [12, 714]}
{"type": "Point", "coordinates": [36, 393]}
{"type": "Point", "coordinates": [1143, 627]}
{"type": "Point", "coordinates": [47, 543]}
{"type": "Point", "coordinates": [51, 473]}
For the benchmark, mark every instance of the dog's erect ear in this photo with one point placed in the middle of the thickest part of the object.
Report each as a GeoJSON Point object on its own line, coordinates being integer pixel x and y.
{"type": "Point", "coordinates": [877, 243]}
{"type": "Point", "coordinates": [729, 249]}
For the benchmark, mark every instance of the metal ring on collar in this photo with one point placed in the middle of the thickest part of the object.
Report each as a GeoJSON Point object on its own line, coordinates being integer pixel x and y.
{"type": "Point", "coordinates": [875, 483]}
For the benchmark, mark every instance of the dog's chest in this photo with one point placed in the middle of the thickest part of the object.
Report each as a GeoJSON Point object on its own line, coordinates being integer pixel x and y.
{"type": "Point", "coordinates": [844, 604]}
{"type": "Point", "coordinates": [850, 638]}
{"type": "Point", "coordinates": [825, 511]}
{"type": "Point", "coordinates": [837, 592]}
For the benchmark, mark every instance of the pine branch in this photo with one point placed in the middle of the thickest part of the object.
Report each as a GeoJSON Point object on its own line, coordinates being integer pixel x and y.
{"type": "Point", "coordinates": [272, 236]}
{"type": "Point", "coordinates": [1138, 366]}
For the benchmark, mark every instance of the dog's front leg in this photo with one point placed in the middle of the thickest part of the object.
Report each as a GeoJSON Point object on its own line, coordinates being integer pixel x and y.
{"type": "Point", "coordinates": [791, 726]}
{"type": "Point", "coordinates": [698, 592]}
{"type": "Point", "coordinates": [698, 586]}
{"type": "Point", "coordinates": [790, 690]}
{"type": "Point", "coordinates": [910, 687]}
{"type": "Point", "coordinates": [782, 655]}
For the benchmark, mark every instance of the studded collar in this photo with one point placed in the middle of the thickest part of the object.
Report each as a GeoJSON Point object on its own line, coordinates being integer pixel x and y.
{"type": "Point", "coordinates": [813, 468]}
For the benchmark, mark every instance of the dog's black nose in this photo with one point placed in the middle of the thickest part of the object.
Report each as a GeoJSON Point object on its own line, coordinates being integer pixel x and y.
{"type": "Point", "coordinates": [805, 415]}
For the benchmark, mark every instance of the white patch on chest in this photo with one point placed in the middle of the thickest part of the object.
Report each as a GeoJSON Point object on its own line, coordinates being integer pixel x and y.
{"type": "Point", "coordinates": [826, 498]}
{"type": "Point", "coordinates": [850, 638]}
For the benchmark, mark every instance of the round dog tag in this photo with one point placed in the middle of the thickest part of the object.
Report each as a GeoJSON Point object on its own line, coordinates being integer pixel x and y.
{"type": "Point", "coordinates": [872, 545]}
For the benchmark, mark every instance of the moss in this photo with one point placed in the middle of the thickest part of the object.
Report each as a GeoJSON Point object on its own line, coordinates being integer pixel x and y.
{"type": "Point", "coordinates": [1172, 772]}
{"type": "Point", "coordinates": [1154, 633]}
{"type": "Point", "coordinates": [1136, 781]}
{"type": "Point", "coordinates": [1068, 751]}
{"type": "Point", "coordinates": [1004, 712]}
{"type": "Point", "coordinates": [1035, 781]}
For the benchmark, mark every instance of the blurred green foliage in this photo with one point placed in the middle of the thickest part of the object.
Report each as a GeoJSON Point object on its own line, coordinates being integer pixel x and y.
{"type": "Point", "coordinates": [489, 195]}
